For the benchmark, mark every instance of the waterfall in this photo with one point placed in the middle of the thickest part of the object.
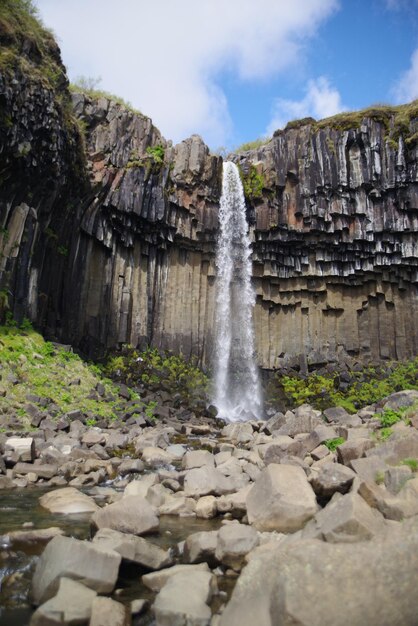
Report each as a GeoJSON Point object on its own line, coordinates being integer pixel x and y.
{"type": "Point", "coordinates": [237, 391]}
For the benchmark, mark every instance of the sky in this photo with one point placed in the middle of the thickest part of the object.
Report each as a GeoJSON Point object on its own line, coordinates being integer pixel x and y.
{"type": "Point", "coordinates": [236, 70]}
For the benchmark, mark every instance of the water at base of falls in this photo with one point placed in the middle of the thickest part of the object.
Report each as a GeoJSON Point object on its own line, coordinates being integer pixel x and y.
{"type": "Point", "coordinates": [237, 389]}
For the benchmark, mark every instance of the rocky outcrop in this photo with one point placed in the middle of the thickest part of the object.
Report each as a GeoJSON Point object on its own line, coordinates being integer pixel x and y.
{"type": "Point", "coordinates": [127, 256]}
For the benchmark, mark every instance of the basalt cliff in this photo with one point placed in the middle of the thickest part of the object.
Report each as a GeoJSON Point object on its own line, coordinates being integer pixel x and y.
{"type": "Point", "coordinates": [107, 230]}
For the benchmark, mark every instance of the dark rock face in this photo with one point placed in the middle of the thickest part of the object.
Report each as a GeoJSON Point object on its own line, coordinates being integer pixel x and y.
{"type": "Point", "coordinates": [129, 257]}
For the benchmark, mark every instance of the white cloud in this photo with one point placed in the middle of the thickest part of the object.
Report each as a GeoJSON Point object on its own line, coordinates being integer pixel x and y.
{"type": "Point", "coordinates": [167, 56]}
{"type": "Point", "coordinates": [321, 100]}
{"type": "Point", "coordinates": [406, 88]}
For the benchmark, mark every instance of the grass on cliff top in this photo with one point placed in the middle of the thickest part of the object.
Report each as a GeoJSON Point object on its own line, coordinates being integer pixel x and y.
{"type": "Point", "coordinates": [396, 120]}
{"type": "Point", "coordinates": [89, 87]}
{"type": "Point", "coordinates": [48, 371]}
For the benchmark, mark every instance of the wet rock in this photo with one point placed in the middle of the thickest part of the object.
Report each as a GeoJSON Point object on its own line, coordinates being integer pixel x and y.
{"type": "Point", "coordinates": [281, 499]}
{"type": "Point", "coordinates": [68, 501]}
{"type": "Point", "coordinates": [30, 537]}
{"type": "Point", "coordinates": [131, 514]}
{"type": "Point", "coordinates": [78, 560]}
{"type": "Point", "coordinates": [71, 605]}
{"type": "Point", "coordinates": [134, 549]}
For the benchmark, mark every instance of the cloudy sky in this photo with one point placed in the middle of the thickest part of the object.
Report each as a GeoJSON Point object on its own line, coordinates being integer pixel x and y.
{"type": "Point", "coordinates": [235, 70]}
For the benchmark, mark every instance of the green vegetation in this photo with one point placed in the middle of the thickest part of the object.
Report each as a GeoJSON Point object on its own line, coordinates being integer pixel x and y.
{"type": "Point", "coordinates": [332, 444]}
{"type": "Point", "coordinates": [89, 87]}
{"type": "Point", "coordinates": [157, 153]}
{"type": "Point", "coordinates": [389, 417]}
{"type": "Point", "coordinates": [253, 183]}
{"type": "Point", "coordinates": [384, 433]}
{"type": "Point", "coordinates": [160, 370]}
{"type": "Point", "coordinates": [47, 371]}
{"type": "Point", "coordinates": [412, 463]}
{"type": "Point", "coordinates": [252, 145]}
{"type": "Point", "coordinates": [366, 387]}
{"type": "Point", "coordinates": [396, 120]}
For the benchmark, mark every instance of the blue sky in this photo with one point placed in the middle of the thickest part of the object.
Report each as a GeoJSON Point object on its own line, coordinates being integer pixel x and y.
{"type": "Point", "coordinates": [235, 70]}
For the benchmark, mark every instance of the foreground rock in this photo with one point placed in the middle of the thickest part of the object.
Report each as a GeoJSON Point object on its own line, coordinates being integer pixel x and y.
{"type": "Point", "coordinates": [107, 612]}
{"type": "Point", "coordinates": [132, 548]}
{"type": "Point", "coordinates": [71, 605]}
{"type": "Point", "coordinates": [184, 600]}
{"type": "Point", "coordinates": [79, 560]}
{"type": "Point", "coordinates": [68, 501]}
{"type": "Point", "coordinates": [310, 583]}
{"type": "Point", "coordinates": [132, 514]}
{"type": "Point", "coordinates": [281, 499]}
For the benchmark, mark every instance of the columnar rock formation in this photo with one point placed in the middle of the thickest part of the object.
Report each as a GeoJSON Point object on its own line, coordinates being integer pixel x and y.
{"type": "Point", "coordinates": [126, 254]}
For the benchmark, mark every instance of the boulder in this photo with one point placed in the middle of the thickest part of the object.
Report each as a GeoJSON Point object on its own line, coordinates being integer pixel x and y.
{"type": "Point", "coordinates": [203, 481]}
{"type": "Point", "coordinates": [107, 612]}
{"type": "Point", "coordinates": [234, 543]}
{"type": "Point", "coordinates": [239, 432]}
{"type": "Point", "coordinates": [338, 415]}
{"type": "Point", "coordinates": [134, 549]}
{"type": "Point", "coordinates": [331, 478]}
{"type": "Point", "coordinates": [68, 501]}
{"type": "Point", "coordinates": [71, 605]}
{"type": "Point", "coordinates": [353, 449]}
{"type": "Point", "coordinates": [304, 420]}
{"type": "Point", "coordinates": [206, 507]}
{"type": "Point", "coordinates": [19, 538]}
{"type": "Point", "coordinates": [131, 514]}
{"type": "Point", "coordinates": [200, 547]}
{"type": "Point", "coordinates": [396, 450]}
{"type": "Point", "coordinates": [393, 507]}
{"type": "Point", "coordinates": [281, 499]}
{"type": "Point", "coordinates": [156, 580]}
{"type": "Point", "coordinates": [23, 447]}
{"type": "Point", "coordinates": [154, 456]}
{"type": "Point", "coordinates": [373, 584]}
{"type": "Point", "coordinates": [400, 399]}
{"type": "Point", "coordinates": [79, 560]}
{"type": "Point", "coordinates": [183, 601]}
{"type": "Point", "coordinates": [140, 487]}
{"type": "Point", "coordinates": [346, 519]}
{"type": "Point", "coordinates": [40, 471]}
{"type": "Point", "coordinates": [197, 458]}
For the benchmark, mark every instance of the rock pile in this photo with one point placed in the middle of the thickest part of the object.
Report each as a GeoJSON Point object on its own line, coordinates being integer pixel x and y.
{"type": "Point", "coordinates": [286, 495]}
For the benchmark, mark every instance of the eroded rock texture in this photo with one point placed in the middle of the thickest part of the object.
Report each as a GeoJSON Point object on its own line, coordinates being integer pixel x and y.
{"type": "Point", "coordinates": [128, 256]}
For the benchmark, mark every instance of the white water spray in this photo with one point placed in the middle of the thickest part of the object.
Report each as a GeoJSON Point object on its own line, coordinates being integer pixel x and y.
{"type": "Point", "coordinates": [237, 392]}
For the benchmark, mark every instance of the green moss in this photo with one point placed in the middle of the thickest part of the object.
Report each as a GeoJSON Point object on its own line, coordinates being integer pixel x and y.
{"type": "Point", "coordinates": [366, 387]}
{"type": "Point", "coordinates": [252, 145]}
{"type": "Point", "coordinates": [157, 153]}
{"type": "Point", "coordinates": [253, 183]}
{"type": "Point", "coordinates": [332, 444]}
{"type": "Point", "coordinates": [88, 87]}
{"type": "Point", "coordinates": [47, 371]}
{"type": "Point", "coordinates": [412, 463]}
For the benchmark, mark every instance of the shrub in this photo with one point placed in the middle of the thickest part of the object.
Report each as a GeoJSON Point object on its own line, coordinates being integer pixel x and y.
{"type": "Point", "coordinates": [332, 444]}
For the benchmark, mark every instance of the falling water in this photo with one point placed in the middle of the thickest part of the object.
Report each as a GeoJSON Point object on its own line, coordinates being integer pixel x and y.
{"type": "Point", "coordinates": [237, 392]}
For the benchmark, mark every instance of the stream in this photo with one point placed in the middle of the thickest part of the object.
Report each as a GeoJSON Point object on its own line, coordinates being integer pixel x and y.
{"type": "Point", "coordinates": [21, 506]}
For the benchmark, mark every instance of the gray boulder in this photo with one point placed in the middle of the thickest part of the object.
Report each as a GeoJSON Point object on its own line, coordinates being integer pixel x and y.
{"type": "Point", "coordinates": [156, 580]}
{"type": "Point", "coordinates": [71, 605]}
{"type": "Point", "coordinates": [346, 519]}
{"type": "Point", "coordinates": [235, 541]}
{"type": "Point", "coordinates": [200, 547]}
{"type": "Point", "coordinates": [132, 548]}
{"type": "Point", "coordinates": [79, 560]}
{"type": "Point", "coordinates": [68, 501]}
{"type": "Point", "coordinates": [203, 481]}
{"type": "Point", "coordinates": [331, 478]}
{"type": "Point", "coordinates": [183, 601]}
{"type": "Point", "coordinates": [310, 583]}
{"type": "Point", "coordinates": [131, 514]}
{"type": "Point", "coordinates": [107, 612]}
{"type": "Point", "coordinates": [281, 499]}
